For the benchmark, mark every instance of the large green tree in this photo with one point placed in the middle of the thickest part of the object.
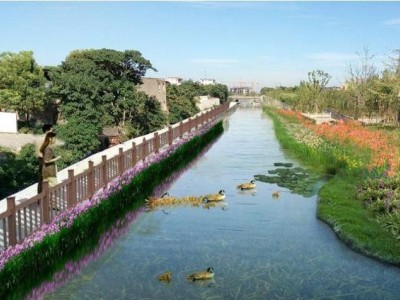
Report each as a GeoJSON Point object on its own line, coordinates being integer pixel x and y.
{"type": "Point", "coordinates": [99, 85]}
{"type": "Point", "coordinates": [22, 84]}
{"type": "Point", "coordinates": [98, 88]}
{"type": "Point", "coordinates": [181, 100]}
{"type": "Point", "coordinates": [217, 90]}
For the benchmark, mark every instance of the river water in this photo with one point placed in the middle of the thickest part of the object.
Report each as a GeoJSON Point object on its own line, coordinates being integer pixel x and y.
{"type": "Point", "coordinates": [260, 246]}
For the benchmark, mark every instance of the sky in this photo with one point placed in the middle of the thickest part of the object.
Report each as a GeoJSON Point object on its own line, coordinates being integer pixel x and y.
{"type": "Point", "coordinates": [237, 43]}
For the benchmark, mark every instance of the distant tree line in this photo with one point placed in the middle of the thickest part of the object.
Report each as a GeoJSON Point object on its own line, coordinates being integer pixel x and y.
{"type": "Point", "coordinates": [90, 90]}
{"type": "Point", "coordinates": [366, 93]}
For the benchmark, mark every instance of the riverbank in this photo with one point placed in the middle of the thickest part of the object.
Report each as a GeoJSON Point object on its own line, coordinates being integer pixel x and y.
{"type": "Point", "coordinates": [338, 205]}
{"type": "Point", "coordinates": [94, 216]}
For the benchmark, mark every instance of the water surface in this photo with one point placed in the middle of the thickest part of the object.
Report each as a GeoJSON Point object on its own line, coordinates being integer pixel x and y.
{"type": "Point", "coordinates": [261, 247]}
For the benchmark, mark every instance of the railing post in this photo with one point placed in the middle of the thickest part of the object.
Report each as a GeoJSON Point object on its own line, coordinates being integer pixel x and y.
{"type": "Point", "coordinates": [170, 135]}
{"type": "Point", "coordinates": [104, 173]}
{"type": "Point", "coordinates": [199, 120]}
{"type": "Point", "coordinates": [121, 161]}
{"type": "Point", "coordinates": [180, 129]}
{"type": "Point", "coordinates": [12, 224]}
{"type": "Point", "coordinates": [144, 149]}
{"type": "Point", "coordinates": [156, 142]}
{"type": "Point", "coordinates": [71, 200]}
{"type": "Point", "coordinates": [134, 154]}
{"type": "Point", "coordinates": [45, 203]}
{"type": "Point", "coordinates": [91, 181]}
{"type": "Point", "coordinates": [190, 124]}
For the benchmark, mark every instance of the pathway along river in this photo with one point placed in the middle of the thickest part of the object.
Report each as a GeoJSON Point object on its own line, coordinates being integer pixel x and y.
{"type": "Point", "coordinates": [259, 246]}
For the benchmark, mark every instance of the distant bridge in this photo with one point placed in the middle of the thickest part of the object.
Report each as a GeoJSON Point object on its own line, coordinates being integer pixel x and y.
{"type": "Point", "coordinates": [246, 100]}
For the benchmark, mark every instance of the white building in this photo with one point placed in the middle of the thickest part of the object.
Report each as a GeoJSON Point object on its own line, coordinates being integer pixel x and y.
{"type": "Point", "coordinates": [174, 80]}
{"type": "Point", "coordinates": [206, 81]}
{"type": "Point", "coordinates": [204, 102]}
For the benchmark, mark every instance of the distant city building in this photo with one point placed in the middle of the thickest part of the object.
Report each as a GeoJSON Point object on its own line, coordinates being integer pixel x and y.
{"type": "Point", "coordinates": [243, 90]}
{"type": "Point", "coordinates": [174, 80]}
{"type": "Point", "coordinates": [206, 81]}
{"type": "Point", "coordinates": [204, 102]}
{"type": "Point", "coordinates": [155, 87]}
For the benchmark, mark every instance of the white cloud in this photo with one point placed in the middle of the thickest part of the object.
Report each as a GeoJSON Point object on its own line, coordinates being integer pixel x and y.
{"type": "Point", "coordinates": [332, 58]}
{"type": "Point", "coordinates": [392, 22]}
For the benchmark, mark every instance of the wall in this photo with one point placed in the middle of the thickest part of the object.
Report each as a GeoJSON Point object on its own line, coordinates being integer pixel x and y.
{"type": "Point", "coordinates": [204, 102]}
{"type": "Point", "coordinates": [8, 122]}
{"type": "Point", "coordinates": [157, 88]}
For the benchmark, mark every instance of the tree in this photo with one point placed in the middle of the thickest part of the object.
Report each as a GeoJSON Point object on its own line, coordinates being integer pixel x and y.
{"type": "Point", "coordinates": [95, 84]}
{"type": "Point", "coordinates": [17, 171]}
{"type": "Point", "coordinates": [317, 81]}
{"type": "Point", "coordinates": [22, 84]}
{"type": "Point", "coordinates": [181, 100]}
{"type": "Point", "coordinates": [361, 76]}
{"type": "Point", "coordinates": [80, 138]}
{"type": "Point", "coordinates": [217, 90]}
{"type": "Point", "coordinates": [98, 88]}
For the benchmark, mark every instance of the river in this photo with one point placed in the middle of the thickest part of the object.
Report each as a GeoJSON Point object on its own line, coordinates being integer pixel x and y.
{"type": "Point", "coordinates": [260, 246]}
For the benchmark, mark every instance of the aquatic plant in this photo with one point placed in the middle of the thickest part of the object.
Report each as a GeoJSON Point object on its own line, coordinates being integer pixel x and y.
{"type": "Point", "coordinates": [297, 180]}
{"type": "Point", "coordinates": [338, 206]}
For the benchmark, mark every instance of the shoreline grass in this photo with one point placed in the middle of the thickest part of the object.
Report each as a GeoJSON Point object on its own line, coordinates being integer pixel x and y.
{"type": "Point", "coordinates": [338, 205]}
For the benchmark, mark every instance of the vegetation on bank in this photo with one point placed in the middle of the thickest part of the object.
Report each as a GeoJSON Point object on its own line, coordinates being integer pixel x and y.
{"type": "Point", "coordinates": [17, 170]}
{"type": "Point", "coordinates": [367, 92]}
{"type": "Point", "coordinates": [357, 199]}
{"type": "Point", "coordinates": [45, 257]}
{"type": "Point", "coordinates": [90, 90]}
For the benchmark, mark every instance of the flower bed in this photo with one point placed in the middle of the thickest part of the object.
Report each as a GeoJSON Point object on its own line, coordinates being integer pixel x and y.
{"type": "Point", "coordinates": [360, 202]}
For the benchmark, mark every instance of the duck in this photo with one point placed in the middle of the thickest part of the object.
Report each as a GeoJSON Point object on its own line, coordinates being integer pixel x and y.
{"type": "Point", "coordinates": [215, 197]}
{"type": "Point", "coordinates": [202, 275]}
{"type": "Point", "coordinates": [167, 276]}
{"type": "Point", "coordinates": [276, 194]}
{"type": "Point", "coordinates": [248, 185]}
{"type": "Point", "coordinates": [152, 200]}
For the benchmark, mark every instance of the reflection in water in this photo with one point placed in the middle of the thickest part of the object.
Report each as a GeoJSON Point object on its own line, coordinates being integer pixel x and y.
{"type": "Point", "coordinates": [72, 268]}
{"type": "Point", "coordinates": [259, 248]}
{"type": "Point", "coordinates": [108, 238]}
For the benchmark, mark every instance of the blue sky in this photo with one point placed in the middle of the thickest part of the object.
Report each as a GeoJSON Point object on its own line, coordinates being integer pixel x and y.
{"type": "Point", "coordinates": [254, 43]}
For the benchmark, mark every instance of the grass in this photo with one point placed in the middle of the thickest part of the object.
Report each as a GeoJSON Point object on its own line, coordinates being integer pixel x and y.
{"type": "Point", "coordinates": [338, 205]}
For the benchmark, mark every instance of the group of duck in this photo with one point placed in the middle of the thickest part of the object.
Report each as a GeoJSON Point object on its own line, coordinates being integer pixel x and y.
{"type": "Point", "coordinates": [206, 201]}
{"type": "Point", "coordinates": [210, 199]}
{"type": "Point", "coordinates": [201, 275]}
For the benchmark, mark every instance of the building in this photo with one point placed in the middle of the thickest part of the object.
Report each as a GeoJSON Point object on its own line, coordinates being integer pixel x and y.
{"type": "Point", "coordinates": [243, 90]}
{"type": "Point", "coordinates": [206, 81]}
{"type": "Point", "coordinates": [174, 80]}
{"type": "Point", "coordinates": [155, 87]}
{"type": "Point", "coordinates": [204, 102]}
